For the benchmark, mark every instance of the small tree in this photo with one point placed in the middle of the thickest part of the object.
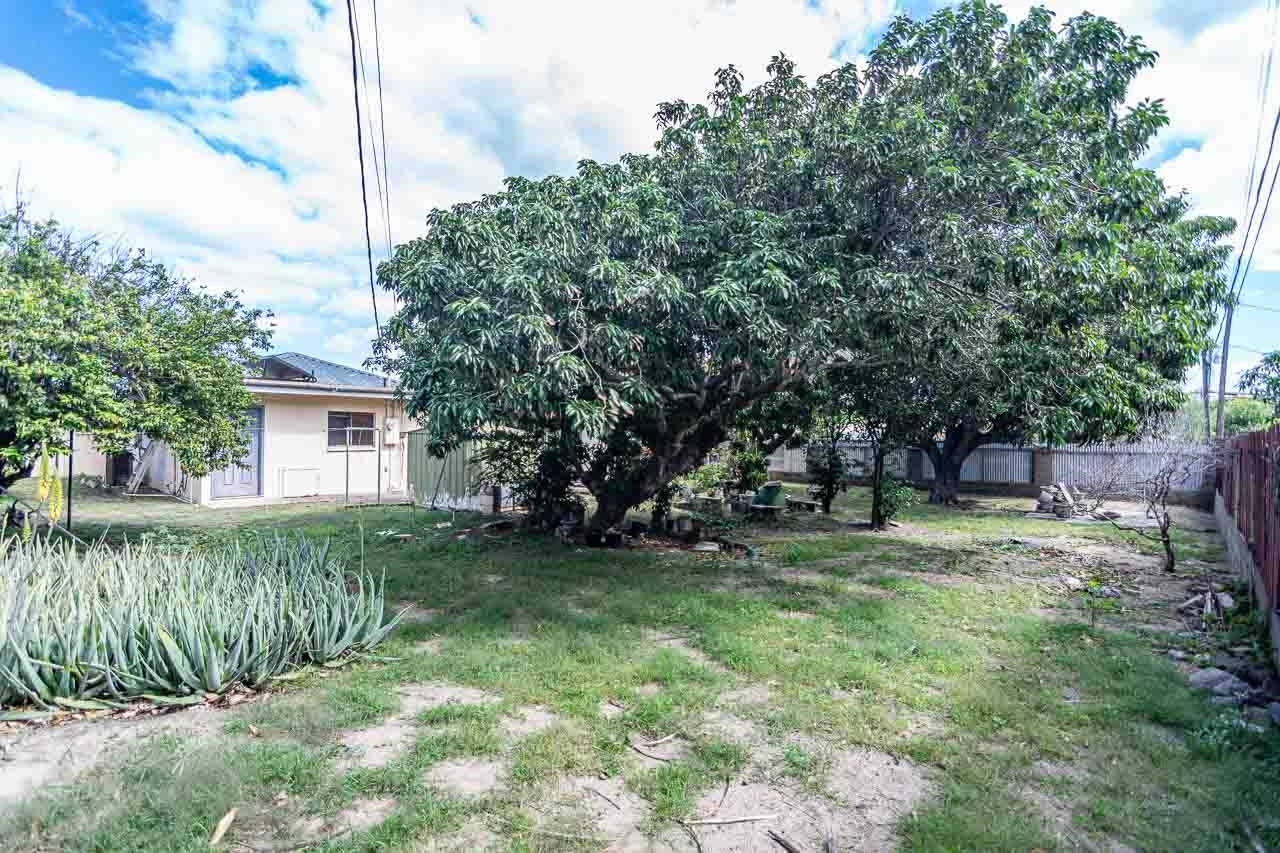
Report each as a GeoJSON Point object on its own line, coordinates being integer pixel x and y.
{"type": "Point", "coordinates": [1152, 477]}
{"type": "Point", "coordinates": [1263, 381]}
{"type": "Point", "coordinates": [114, 344]}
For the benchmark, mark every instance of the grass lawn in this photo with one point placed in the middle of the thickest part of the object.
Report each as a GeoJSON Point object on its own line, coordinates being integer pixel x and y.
{"type": "Point", "coordinates": [932, 687]}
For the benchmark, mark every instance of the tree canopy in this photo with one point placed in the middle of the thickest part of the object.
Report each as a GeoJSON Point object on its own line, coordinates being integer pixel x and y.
{"type": "Point", "coordinates": [965, 217]}
{"type": "Point", "coordinates": [1263, 381]}
{"type": "Point", "coordinates": [114, 344]}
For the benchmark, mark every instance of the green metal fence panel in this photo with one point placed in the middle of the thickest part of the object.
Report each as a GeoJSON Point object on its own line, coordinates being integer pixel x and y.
{"type": "Point", "coordinates": [449, 481]}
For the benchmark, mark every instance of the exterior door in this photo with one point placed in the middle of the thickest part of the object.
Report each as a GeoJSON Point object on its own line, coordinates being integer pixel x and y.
{"type": "Point", "coordinates": [243, 479]}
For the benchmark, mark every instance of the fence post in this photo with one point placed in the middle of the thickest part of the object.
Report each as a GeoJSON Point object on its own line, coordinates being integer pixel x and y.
{"type": "Point", "coordinates": [1042, 465]}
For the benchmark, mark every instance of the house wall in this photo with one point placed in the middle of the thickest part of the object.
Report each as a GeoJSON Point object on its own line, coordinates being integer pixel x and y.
{"type": "Point", "coordinates": [86, 458]}
{"type": "Point", "coordinates": [297, 461]}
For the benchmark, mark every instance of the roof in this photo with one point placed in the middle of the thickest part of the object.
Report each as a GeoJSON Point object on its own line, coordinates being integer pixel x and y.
{"type": "Point", "coordinates": [307, 368]}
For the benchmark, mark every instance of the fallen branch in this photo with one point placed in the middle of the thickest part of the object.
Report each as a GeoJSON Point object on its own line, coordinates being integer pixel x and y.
{"type": "Point", "coordinates": [782, 842]}
{"type": "Point", "coordinates": [660, 741]}
{"type": "Point", "coordinates": [602, 795]}
{"type": "Point", "coordinates": [650, 754]}
{"type": "Point", "coordinates": [721, 821]}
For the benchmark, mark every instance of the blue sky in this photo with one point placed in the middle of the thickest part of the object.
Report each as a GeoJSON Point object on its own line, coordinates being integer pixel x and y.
{"type": "Point", "coordinates": [218, 133]}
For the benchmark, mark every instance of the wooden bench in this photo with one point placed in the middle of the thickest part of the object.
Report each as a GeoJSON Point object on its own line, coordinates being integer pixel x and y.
{"type": "Point", "coordinates": [802, 504]}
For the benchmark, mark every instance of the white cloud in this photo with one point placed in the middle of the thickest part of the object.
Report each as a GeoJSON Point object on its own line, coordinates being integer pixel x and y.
{"type": "Point", "coordinates": [242, 169]}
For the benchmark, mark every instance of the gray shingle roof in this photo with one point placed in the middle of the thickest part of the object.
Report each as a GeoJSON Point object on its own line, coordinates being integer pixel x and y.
{"type": "Point", "coordinates": [325, 372]}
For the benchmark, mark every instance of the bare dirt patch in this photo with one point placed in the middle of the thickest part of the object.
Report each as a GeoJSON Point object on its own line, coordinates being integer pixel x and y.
{"type": "Point", "coordinates": [732, 728]}
{"type": "Point", "coordinates": [33, 758]}
{"type": "Point", "coordinates": [756, 693]}
{"type": "Point", "coordinates": [360, 815]}
{"type": "Point", "coordinates": [527, 721]}
{"type": "Point", "coordinates": [429, 647]}
{"type": "Point", "coordinates": [473, 835]}
{"type": "Point", "coordinates": [680, 642]}
{"type": "Point", "coordinates": [414, 614]}
{"type": "Point", "coordinates": [867, 793]}
{"type": "Point", "coordinates": [1057, 817]}
{"type": "Point", "coordinates": [649, 689]}
{"type": "Point", "coordinates": [608, 710]}
{"type": "Point", "coordinates": [603, 810]}
{"type": "Point", "coordinates": [797, 615]}
{"type": "Point", "coordinates": [378, 746]}
{"type": "Point", "coordinates": [466, 777]}
{"type": "Point", "coordinates": [650, 754]}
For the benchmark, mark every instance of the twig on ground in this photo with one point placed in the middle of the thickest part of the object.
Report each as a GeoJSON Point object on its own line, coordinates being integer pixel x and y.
{"type": "Point", "coordinates": [563, 836]}
{"type": "Point", "coordinates": [720, 821]}
{"type": "Point", "coordinates": [782, 842]}
{"type": "Point", "coordinates": [660, 741]}
{"type": "Point", "coordinates": [724, 795]}
{"type": "Point", "coordinates": [693, 836]}
{"type": "Point", "coordinates": [602, 795]}
{"type": "Point", "coordinates": [650, 755]}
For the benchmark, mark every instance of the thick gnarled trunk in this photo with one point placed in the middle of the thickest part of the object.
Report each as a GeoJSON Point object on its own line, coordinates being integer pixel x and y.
{"type": "Point", "coordinates": [948, 458]}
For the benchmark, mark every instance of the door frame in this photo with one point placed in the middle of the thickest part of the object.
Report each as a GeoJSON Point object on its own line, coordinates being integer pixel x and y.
{"type": "Point", "coordinates": [262, 429]}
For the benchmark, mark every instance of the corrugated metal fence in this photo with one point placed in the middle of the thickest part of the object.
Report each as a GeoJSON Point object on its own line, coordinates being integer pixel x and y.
{"type": "Point", "coordinates": [1250, 489]}
{"type": "Point", "coordinates": [449, 482]}
{"type": "Point", "coordinates": [1073, 464]}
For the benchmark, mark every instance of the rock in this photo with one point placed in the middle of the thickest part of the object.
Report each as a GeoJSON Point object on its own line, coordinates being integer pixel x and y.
{"type": "Point", "coordinates": [1070, 695]}
{"type": "Point", "coordinates": [1177, 654]}
{"type": "Point", "coordinates": [1227, 700]}
{"type": "Point", "coordinates": [1225, 601]}
{"type": "Point", "coordinates": [1109, 592]}
{"type": "Point", "coordinates": [1256, 674]}
{"type": "Point", "coordinates": [1273, 711]}
{"type": "Point", "coordinates": [1255, 715]}
{"type": "Point", "coordinates": [1210, 678]}
{"type": "Point", "coordinates": [707, 547]}
{"type": "Point", "coordinates": [1227, 662]}
{"type": "Point", "coordinates": [1072, 583]}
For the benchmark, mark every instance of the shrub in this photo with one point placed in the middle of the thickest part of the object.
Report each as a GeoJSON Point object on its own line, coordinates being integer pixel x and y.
{"type": "Point", "coordinates": [895, 496]}
{"type": "Point", "coordinates": [748, 468]}
{"type": "Point", "coordinates": [705, 480]}
{"type": "Point", "coordinates": [88, 627]}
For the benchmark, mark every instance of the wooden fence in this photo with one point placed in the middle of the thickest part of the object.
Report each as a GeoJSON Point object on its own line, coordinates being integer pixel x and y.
{"type": "Point", "coordinates": [1250, 489]}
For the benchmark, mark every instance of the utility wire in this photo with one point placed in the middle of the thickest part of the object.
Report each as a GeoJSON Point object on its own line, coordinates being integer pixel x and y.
{"type": "Point", "coordinates": [1257, 307]}
{"type": "Point", "coordinates": [364, 193]}
{"type": "Point", "coordinates": [373, 137]}
{"type": "Point", "coordinates": [1234, 289]}
{"type": "Point", "coordinates": [382, 125]}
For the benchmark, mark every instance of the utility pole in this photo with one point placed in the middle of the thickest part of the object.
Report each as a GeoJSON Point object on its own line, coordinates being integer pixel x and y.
{"type": "Point", "coordinates": [1206, 365]}
{"type": "Point", "coordinates": [1222, 374]}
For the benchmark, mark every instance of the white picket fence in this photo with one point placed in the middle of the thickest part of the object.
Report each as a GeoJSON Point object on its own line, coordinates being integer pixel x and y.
{"type": "Point", "coordinates": [1074, 464]}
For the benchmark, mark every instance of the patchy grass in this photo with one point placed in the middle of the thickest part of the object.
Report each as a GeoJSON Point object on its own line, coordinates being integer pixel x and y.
{"type": "Point", "coordinates": [939, 643]}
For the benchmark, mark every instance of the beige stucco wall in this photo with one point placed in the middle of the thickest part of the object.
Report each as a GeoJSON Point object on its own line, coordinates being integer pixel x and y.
{"type": "Point", "coordinates": [296, 459]}
{"type": "Point", "coordinates": [87, 458]}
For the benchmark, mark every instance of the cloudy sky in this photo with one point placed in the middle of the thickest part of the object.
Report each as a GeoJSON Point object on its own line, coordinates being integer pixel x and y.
{"type": "Point", "coordinates": [219, 134]}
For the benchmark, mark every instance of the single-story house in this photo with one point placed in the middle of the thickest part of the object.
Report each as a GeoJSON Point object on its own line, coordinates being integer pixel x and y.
{"type": "Point", "coordinates": [319, 429]}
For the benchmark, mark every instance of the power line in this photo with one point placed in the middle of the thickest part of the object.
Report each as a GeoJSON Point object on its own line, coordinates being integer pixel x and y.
{"type": "Point", "coordinates": [364, 193]}
{"type": "Point", "coordinates": [373, 137]}
{"type": "Point", "coordinates": [1258, 307]}
{"type": "Point", "coordinates": [1234, 289]}
{"type": "Point", "coordinates": [382, 125]}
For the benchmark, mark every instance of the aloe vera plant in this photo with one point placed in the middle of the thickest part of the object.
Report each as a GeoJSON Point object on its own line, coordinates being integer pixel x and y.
{"type": "Point", "coordinates": [91, 627]}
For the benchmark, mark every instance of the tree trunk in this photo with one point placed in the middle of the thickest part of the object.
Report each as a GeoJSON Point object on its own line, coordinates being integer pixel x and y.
{"type": "Point", "coordinates": [945, 488]}
{"type": "Point", "coordinates": [611, 510]}
{"type": "Point", "coordinates": [1170, 559]}
{"type": "Point", "coordinates": [948, 458]}
{"type": "Point", "coordinates": [877, 491]}
{"type": "Point", "coordinates": [827, 498]}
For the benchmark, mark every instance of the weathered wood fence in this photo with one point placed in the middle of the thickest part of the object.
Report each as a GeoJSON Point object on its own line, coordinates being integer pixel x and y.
{"type": "Point", "coordinates": [1249, 492]}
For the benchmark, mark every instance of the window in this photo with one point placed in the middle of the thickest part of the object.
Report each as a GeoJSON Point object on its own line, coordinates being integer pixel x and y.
{"type": "Point", "coordinates": [351, 429]}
